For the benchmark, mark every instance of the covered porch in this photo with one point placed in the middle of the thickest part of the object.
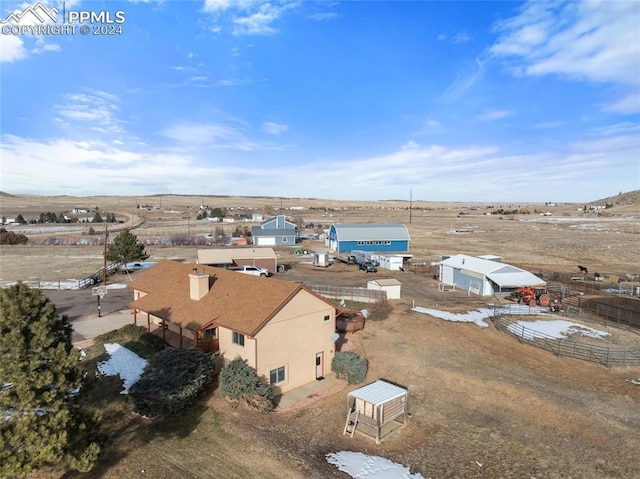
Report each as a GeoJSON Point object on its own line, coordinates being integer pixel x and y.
{"type": "Point", "coordinates": [178, 336]}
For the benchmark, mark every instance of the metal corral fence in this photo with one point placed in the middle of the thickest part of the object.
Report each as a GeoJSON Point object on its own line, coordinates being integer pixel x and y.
{"type": "Point", "coordinates": [87, 282]}
{"type": "Point", "coordinates": [607, 356]}
{"type": "Point", "coordinates": [362, 295]}
{"type": "Point", "coordinates": [613, 314]}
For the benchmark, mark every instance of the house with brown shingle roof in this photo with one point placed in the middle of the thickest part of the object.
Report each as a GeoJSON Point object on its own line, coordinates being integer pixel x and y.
{"type": "Point", "coordinates": [283, 329]}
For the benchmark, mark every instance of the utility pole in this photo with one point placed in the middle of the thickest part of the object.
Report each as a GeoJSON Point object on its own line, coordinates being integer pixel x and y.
{"type": "Point", "coordinates": [410, 203]}
{"type": "Point", "coordinates": [106, 234]}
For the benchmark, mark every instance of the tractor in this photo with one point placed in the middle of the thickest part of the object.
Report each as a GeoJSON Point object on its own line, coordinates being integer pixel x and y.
{"type": "Point", "coordinates": [532, 295]}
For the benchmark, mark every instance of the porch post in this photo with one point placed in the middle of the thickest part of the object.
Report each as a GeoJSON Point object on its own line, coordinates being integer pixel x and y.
{"type": "Point", "coordinates": [135, 317]}
{"type": "Point", "coordinates": [164, 338]}
{"type": "Point", "coordinates": [181, 337]}
{"type": "Point", "coordinates": [148, 323]}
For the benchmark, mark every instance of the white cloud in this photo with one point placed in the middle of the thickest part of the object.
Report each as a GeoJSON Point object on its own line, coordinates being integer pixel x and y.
{"type": "Point", "coordinates": [548, 124]}
{"type": "Point", "coordinates": [593, 165]}
{"type": "Point", "coordinates": [495, 115]}
{"type": "Point", "coordinates": [257, 23]}
{"type": "Point", "coordinates": [217, 5]}
{"type": "Point", "coordinates": [432, 124]}
{"type": "Point", "coordinates": [11, 48]}
{"type": "Point", "coordinates": [460, 37]}
{"type": "Point", "coordinates": [457, 38]}
{"type": "Point", "coordinates": [94, 107]}
{"type": "Point", "coordinates": [464, 81]}
{"type": "Point", "coordinates": [578, 41]}
{"type": "Point", "coordinates": [233, 82]}
{"type": "Point", "coordinates": [42, 47]}
{"type": "Point", "coordinates": [246, 17]}
{"type": "Point", "coordinates": [323, 16]}
{"type": "Point", "coordinates": [201, 133]}
{"type": "Point", "coordinates": [273, 128]}
{"type": "Point", "coordinates": [626, 105]}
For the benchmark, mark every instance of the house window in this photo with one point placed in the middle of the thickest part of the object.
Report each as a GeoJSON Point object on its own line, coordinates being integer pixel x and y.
{"type": "Point", "coordinates": [277, 375]}
{"type": "Point", "coordinates": [285, 240]}
{"type": "Point", "coordinates": [327, 317]}
{"type": "Point", "coordinates": [238, 339]}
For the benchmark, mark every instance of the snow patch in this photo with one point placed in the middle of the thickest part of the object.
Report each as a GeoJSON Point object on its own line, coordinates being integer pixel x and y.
{"type": "Point", "coordinates": [123, 362]}
{"type": "Point", "coordinates": [634, 381]}
{"type": "Point", "coordinates": [117, 286]}
{"type": "Point", "coordinates": [362, 466]}
{"type": "Point", "coordinates": [555, 329]}
{"type": "Point", "coordinates": [478, 317]}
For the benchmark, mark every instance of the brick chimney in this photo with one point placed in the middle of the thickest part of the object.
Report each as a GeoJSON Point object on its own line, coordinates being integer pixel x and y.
{"type": "Point", "coordinates": [198, 284]}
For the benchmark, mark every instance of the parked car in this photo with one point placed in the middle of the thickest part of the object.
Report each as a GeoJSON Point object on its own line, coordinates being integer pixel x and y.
{"type": "Point", "coordinates": [368, 267]}
{"type": "Point", "coordinates": [254, 270]}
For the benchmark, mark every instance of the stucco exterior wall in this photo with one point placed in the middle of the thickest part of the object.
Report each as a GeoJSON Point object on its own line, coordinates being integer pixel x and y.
{"type": "Point", "coordinates": [293, 338]}
{"type": "Point", "coordinates": [230, 351]}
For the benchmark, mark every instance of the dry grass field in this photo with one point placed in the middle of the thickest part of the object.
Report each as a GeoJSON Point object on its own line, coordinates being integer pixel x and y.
{"type": "Point", "coordinates": [482, 404]}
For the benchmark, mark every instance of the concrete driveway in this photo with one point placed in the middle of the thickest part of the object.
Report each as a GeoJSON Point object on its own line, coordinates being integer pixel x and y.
{"type": "Point", "coordinates": [81, 307]}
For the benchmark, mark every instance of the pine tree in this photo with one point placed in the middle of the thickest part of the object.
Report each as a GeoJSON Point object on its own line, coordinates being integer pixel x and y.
{"type": "Point", "coordinates": [97, 218]}
{"type": "Point", "coordinates": [43, 424]}
{"type": "Point", "coordinates": [20, 220]}
{"type": "Point", "coordinates": [126, 248]}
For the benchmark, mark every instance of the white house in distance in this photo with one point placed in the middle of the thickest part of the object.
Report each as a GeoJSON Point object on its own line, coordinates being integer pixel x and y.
{"type": "Point", "coordinates": [485, 277]}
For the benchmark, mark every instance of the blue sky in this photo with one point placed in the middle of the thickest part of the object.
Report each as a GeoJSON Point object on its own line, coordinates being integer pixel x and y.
{"type": "Point", "coordinates": [452, 101]}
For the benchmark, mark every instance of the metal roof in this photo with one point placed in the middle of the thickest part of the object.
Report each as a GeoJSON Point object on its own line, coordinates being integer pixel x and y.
{"type": "Point", "coordinates": [371, 231]}
{"type": "Point", "coordinates": [257, 231]}
{"type": "Point", "coordinates": [504, 275]}
{"type": "Point", "coordinates": [379, 392]}
{"type": "Point", "coordinates": [228, 255]}
{"type": "Point", "coordinates": [386, 282]}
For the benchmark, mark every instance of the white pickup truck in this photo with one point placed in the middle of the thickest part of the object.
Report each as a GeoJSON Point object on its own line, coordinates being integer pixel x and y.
{"type": "Point", "coordinates": [254, 270]}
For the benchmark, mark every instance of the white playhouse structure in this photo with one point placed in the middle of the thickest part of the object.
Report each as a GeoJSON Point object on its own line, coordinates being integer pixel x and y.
{"type": "Point", "coordinates": [376, 410]}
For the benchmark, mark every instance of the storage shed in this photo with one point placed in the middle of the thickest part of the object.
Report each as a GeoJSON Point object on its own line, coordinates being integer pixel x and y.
{"type": "Point", "coordinates": [392, 262]}
{"type": "Point", "coordinates": [390, 285]}
{"type": "Point", "coordinates": [376, 410]}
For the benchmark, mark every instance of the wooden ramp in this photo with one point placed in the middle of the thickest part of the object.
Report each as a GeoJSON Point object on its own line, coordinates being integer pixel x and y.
{"type": "Point", "coordinates": [351, 423]}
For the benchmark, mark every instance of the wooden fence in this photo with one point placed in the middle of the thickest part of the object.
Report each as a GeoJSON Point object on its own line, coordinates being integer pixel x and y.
{"type": "Point", "coordinates": [607, 356]}
{"type": "Point", "coordinates": [362, 295]}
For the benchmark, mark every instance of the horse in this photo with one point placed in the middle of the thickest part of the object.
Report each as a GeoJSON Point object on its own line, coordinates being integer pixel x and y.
{"type": "Point", "coordinates": [583, 269]}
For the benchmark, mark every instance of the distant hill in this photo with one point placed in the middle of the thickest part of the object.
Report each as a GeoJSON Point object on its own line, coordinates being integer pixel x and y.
{"type": "Point", "coordinates": [631, 198]}
{"type": "Point", "coordinates": [6, 195]}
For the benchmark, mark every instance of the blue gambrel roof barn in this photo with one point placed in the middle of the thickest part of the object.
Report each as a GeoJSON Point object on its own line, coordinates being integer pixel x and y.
{"type": "Point", "coordinates": [380, 237]}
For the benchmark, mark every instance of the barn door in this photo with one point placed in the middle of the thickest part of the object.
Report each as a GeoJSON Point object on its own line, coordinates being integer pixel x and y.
{"type": "Point", "coordinates": [319, 365]}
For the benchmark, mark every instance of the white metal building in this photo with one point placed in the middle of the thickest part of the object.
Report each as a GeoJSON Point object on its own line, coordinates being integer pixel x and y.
{"type": "Point", "coordinates": [485, 277]}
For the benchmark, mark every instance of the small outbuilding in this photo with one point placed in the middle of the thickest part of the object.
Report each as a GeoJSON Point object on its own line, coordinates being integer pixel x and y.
{"type": "Point", "coordinates": [390, 285]}
{"type": "Point", "coordinates": [236, 257]}
{"type": "Point", "coordinates": [376, 410]}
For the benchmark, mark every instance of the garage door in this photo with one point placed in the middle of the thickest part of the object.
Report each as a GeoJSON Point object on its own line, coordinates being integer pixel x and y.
{"type": "Point", "coordinates": [266, 241]}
